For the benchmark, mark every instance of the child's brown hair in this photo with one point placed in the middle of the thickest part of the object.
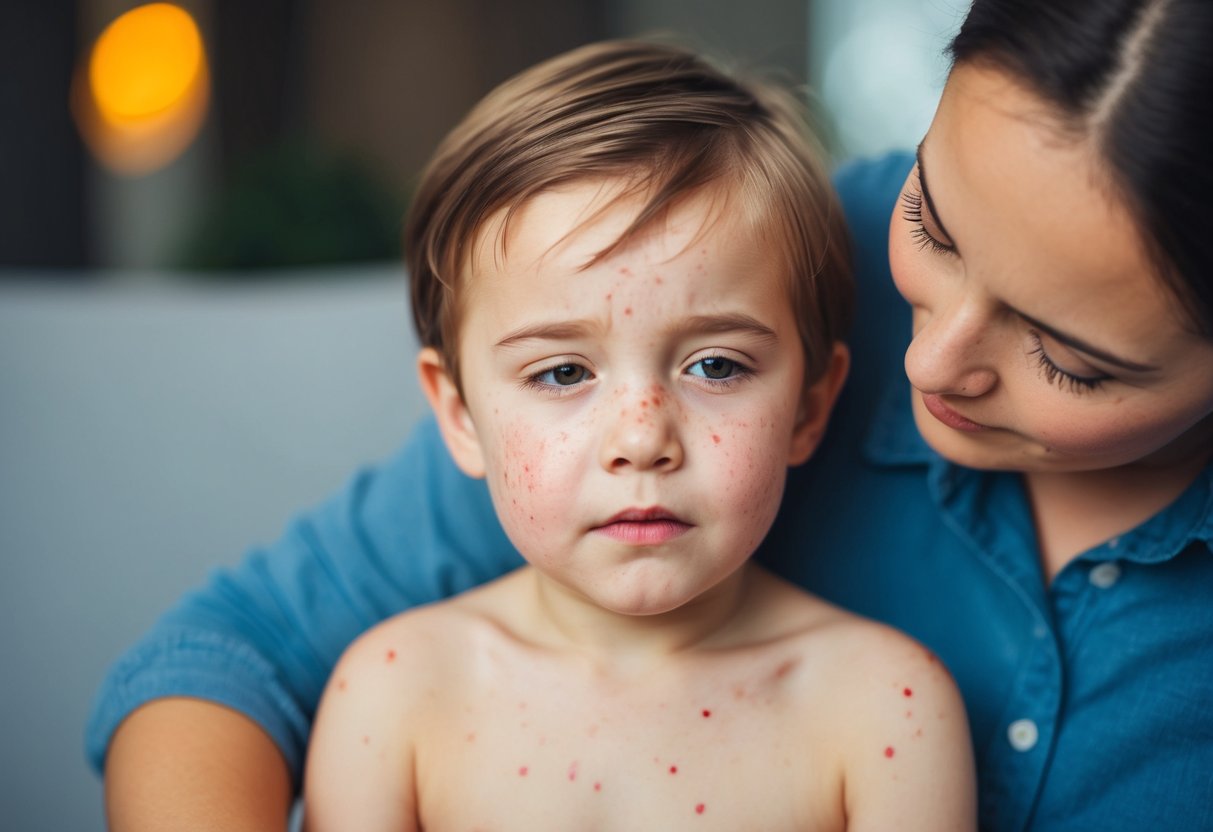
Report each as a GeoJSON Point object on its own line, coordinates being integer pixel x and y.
{"type": "Point", "coordinates": [668, 123]}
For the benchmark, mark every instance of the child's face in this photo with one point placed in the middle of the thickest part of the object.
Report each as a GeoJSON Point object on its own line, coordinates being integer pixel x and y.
{"type": "Point", "coordinates": [635, 419]}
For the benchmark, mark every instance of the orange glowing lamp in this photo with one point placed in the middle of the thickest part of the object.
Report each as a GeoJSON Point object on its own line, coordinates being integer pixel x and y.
{"type": "Point", "coordinates": [144, 95]}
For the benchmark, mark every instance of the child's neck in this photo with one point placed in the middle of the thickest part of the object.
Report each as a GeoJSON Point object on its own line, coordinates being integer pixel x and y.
{"type": "Point", "coordinates": [569, 620]}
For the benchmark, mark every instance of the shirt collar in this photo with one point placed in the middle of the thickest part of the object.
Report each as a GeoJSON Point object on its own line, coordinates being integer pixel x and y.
{"type": "Point", "coordinates": [893, 440]}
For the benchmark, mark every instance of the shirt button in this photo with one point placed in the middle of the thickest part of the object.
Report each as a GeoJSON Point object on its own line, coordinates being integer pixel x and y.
{"type": "Point", "coordinates": [1023, 734]}
{"type": "Point", "coordinates": [1104, 575]}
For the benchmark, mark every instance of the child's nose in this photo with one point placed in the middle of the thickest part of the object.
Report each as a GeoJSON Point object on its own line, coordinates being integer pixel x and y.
{"type": "Point", "coordinates": [641, 434]}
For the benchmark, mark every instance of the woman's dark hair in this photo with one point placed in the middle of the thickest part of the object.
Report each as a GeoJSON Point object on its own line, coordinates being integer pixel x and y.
{"type": "Point", "coordinates": [1136, 77]}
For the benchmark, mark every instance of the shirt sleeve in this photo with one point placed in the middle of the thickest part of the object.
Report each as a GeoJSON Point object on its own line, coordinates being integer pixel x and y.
{"type": "Point", "coordinates": [262, 637]}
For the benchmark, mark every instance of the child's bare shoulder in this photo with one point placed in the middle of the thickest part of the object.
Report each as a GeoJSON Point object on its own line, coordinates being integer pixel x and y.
{"type": "Point", "coordinates": [884, 708]}
{"type": "Point", "coordinates": [427, 643]}
{"type": "Point", "coordinates": [863, 669]}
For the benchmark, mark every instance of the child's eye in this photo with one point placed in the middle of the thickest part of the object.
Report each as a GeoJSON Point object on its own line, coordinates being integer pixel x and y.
{"type": "Point", "coordinates": [563, 375]}
{"type": "Point", "coordinates": [718, 369]}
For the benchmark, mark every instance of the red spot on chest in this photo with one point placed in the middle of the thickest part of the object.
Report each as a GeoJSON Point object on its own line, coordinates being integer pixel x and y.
{"type": "Point", "coordinates": [673, 769]}
{"type": "Point", "coordinates": [699, 808]}
{"type": "Point", "coordinates": [522, 771]}
{"type": "Point", "coordinates": [889, 752]}
{"type": "Point", "coordinates": [907, 692]}
{"type": "Point", "coordinates": [706, 713]}
{"type": "Point", "coordinates": [716, 439]}
{"type": "Point", "coordinates": [391, 656]}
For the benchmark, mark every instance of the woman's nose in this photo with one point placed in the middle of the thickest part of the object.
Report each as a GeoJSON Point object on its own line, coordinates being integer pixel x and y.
{"type": "Point", "coordinates": [642, 434]}
{"type": "Point", "coordinates": [950, 351]}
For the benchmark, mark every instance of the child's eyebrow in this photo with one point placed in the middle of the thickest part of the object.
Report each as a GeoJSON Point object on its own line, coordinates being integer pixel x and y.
{"type": "Point", "coordinates": [691, 325]}
{"type": "Point", "coordinates": [724, 322]}
{"type": "Point", "coordinates": [549, 331]}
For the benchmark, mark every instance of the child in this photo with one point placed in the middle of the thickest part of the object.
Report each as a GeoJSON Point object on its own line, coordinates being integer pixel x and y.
{"type": "Point", "coordinates": [630, 281]}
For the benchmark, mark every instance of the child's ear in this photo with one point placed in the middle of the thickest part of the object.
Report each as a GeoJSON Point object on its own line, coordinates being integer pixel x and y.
{"type": "Point", "coordinates": [454, 420]}
{"type": "Point", "coordinates": [817, 404]}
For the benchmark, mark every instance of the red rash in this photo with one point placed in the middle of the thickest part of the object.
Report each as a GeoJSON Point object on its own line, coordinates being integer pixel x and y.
{"type": "Point", "coordinates": [391, 655]}
{"type": "Point", "coordinates": [699, 809]}
{"type": "Point", "coordinates": [889, 752]}
{"type": "Point", "coordinates": [716, 439]}
{"type": "Point", "coordinates": [907, 692]}
{"type": "Point", "coordinates": [522, 771]}
{"type": "Point", "coordinates": [706, 713]}
{"type": "Point", "coordinates": [673, 769]}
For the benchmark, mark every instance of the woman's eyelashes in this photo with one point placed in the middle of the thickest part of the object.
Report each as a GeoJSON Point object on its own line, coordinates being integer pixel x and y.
{"type": "Point", "coordinates": [912, 207]}
{"type": "Point", "coordinates": [1056, 375]}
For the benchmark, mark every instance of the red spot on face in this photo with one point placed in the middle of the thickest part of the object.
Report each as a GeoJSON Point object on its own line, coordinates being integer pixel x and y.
{"type": "Point", "coordinates": [699, 808]}
{"type": "Point", "coordinates": [342, 684]}
{"type": "Point", "coordinates": [716, 439]}
{"type": "Point", "coordinates": [907, 692]}
{"type": "Point", "coordinates": [627, 310]}
{"type": "Point", "coordinates": [889, 752]}
{"type": "Point", "coordinates": [706, 713]}
{"type": "Point", "coordinates": [597, 787]}
{"type": "Point", "coordinates": [673, 769]}
{"type": "Point", "coordinates": [572, 771]}
{"type": "Point", "coordinates": [522, 771]}
{"type": "Point", "coordinates": [391, 655]}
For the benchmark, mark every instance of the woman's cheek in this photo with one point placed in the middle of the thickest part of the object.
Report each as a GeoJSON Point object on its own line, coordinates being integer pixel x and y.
{"type": "Point", "coordinates": [1118, 437]}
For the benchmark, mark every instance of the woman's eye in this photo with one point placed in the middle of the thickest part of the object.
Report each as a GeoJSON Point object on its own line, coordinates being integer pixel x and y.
{"type": "Point", "coordinates": [715, 368]}
{"type": "Point", "coordinates": [564, 375]}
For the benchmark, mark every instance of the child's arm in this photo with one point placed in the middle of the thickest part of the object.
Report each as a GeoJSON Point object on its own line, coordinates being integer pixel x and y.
{"type": "Point", "coordinates": [359, 772]}
{"type": "Point", "coordinates": [909, 761]}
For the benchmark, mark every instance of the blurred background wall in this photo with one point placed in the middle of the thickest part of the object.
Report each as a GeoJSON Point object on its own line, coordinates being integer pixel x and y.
{"type": "Point", "coordinates": [203, 326]}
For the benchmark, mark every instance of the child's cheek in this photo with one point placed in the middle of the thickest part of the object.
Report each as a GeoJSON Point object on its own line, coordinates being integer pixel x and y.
{"type": "Point", "coordinates": [530, 487]}
{"type": "Point", "coordinates": [751, 464]}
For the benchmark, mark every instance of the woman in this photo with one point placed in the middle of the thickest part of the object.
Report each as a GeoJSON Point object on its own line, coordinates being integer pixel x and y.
{"type": "Point", "coordinates": [1036, 504]}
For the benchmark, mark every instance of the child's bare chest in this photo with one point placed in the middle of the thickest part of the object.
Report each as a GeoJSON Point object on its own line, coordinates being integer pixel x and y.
{"type": "Point", "coordinates": [731, 749]}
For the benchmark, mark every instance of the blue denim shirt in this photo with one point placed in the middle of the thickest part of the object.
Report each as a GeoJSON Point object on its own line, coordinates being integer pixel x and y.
{"type": "Point", "coordinates": [1089, 700]}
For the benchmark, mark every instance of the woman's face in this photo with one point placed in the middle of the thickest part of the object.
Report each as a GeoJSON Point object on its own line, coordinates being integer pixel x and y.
{"type": "Point", "coordinates": [1043, 338]}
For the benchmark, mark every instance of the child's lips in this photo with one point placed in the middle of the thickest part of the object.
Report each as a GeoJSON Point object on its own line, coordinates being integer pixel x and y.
{"type": "Point", "coordinates": [644, 527]}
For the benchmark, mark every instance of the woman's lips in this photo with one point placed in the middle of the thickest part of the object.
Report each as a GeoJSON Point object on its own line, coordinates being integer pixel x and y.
{"type": "Point", "coordinates": [643, 527]}
{"type": "Point", "coordinates": [935, 406]}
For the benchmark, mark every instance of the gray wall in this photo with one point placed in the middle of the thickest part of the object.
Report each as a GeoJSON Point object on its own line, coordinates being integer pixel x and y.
{"type": "Point", "coordinates": [147, 435]}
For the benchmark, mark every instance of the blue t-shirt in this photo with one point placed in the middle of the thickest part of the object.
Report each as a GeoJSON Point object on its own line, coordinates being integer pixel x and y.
{"type": "Point", "coordinates": [1090, 700]}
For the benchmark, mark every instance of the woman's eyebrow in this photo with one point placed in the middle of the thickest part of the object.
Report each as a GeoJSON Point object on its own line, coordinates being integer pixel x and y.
{"type": "Point", "coordinates": [926, 194]}
{"type": "Point", "coordinates": [1083, 346]}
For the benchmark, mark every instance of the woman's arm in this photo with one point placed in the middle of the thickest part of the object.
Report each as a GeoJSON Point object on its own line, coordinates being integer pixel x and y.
{"type": "Point", "coordinates": [262, 638]}
{"type": "Point", "coordinates": [186, 764]}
